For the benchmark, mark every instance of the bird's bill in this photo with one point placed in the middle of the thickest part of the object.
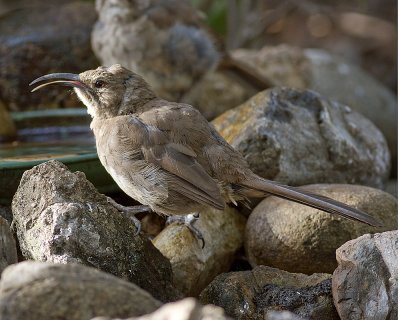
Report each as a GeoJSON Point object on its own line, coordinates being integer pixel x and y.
{"type": "Point", "coordinates": [64, 79]}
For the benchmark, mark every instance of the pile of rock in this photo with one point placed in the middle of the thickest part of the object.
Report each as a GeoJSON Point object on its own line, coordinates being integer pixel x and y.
{"type": "Point", "coordinates": [74, 256]}
{"type": "Point", "coordinates": [89, 262]}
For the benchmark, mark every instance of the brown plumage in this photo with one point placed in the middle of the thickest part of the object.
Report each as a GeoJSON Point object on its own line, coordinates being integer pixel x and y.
{"type": "Point", "coordinates": [166, 155]}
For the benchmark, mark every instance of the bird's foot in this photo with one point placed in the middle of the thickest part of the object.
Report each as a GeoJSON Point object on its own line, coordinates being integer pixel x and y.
{"type": "Point", "coordinates": [130, 211]}
{"type": "Point", "coordinates": [188, 220]}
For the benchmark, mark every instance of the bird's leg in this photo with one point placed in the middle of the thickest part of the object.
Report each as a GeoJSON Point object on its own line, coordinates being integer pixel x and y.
{"type": "Point", "coordinates": [188, 220]}
{"type": "Point", "coordinates": [130, 211]}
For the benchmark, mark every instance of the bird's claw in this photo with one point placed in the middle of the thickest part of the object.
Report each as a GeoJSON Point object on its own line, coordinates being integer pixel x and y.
{"type": "Point", "coordinates": [188, 220]}
{"type": "Point", "coordinates": [137, 224]}
{"type": "Point", "coordinates": [131, 212]}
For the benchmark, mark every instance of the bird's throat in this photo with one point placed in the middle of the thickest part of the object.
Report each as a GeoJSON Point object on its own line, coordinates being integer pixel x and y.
{"type": "Point", "coordinates": [86, 101]}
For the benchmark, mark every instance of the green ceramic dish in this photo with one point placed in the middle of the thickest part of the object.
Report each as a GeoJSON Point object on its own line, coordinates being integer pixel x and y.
{"type": "Point", "coordinates": [61, 134]}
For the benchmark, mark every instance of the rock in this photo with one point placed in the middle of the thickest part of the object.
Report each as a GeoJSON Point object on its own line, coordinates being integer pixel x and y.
{"type": "Point", "coordinates": [6, 213]}
{"type": "Point", "coordinates": [8, 247]}
{"type": "Point", "coordinates": [6, 5]}
{"type": "Point", "coordinates": [152, 224]}
{"type": "Point", "coordinates": [60, 217]}
{"type": "Point", "coordinates": [8, 130]}
{"type": "Point", "coordinates": [281, 315]}
{"type": "Point", "coordinates": [252, 294]}
{"type": "Point", "coordinates": [333, 78]}
{"type": "Point", "coordinates": [391, 187]}
{"type": "Point", "coordinates": [193, 267]}
{"type": "Point", "coordinates": [38, 40]}
{"type": "Point", "coordinates": [186, 309]}
{"type": "Point", "coordinates": [217, 93]}
{"type": "Point", "coordinates": [44, 291]}
{"type": "Point", "coordinates": [298, 137]}
{"type": "Point", "coordinates": [354, 87]}
{"type": "Point", "coordinates": [365, 284]}
{"type": "Point", "coordinates": [297, 238]}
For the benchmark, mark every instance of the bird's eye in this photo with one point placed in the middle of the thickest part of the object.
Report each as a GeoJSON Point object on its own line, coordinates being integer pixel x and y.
{"type": "Point", "coordinates": [99, 83]}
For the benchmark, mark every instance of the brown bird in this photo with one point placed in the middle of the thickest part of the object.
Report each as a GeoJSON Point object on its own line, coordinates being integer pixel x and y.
{"type": "Point", "coordinates": [167, 43]}
{"type": "Point", "coordinates": [166, 155]}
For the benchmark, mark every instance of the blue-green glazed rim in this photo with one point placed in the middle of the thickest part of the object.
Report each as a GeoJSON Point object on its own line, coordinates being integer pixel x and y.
{"type": "Point", "coordinates": [87, 163]}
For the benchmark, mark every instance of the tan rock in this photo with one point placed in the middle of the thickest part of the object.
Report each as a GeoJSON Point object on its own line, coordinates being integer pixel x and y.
{"type": "Point", "coordinates": [193, 267]}
{"type": "Point", "coordinates": [297, 238]}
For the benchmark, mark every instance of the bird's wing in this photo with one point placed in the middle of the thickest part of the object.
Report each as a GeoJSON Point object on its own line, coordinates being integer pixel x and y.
{"type": "Point", "coordinates": [187, 176]}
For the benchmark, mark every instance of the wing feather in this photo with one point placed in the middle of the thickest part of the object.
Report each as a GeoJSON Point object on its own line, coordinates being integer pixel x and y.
{"type": "Point", "coordinates": [187, 176]}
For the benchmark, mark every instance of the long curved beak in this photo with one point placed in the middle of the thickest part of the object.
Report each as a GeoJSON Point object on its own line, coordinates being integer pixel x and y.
{"type": "Point", "coordinates": [64, 79]}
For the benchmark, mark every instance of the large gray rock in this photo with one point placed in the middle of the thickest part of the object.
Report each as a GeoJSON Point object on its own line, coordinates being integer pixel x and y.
{"type": "Point", "coordinates": [296, 238]}
{"type": "Point", "coordinates": [298, 137]}
{"type": "Point", "coordinates": [46, 291]}
{"type": "Point", "coordinates": [186, 309]}
{"type": "Point", "coordinates": [8, 247]}
{"type": "Point", "coordinates": [60, 217]}
{"type": "Point", "coordinates": [42, 39]}
{"type": "Point", "coordinates": [253, 294]}
{"type": "Point", "coordinates": [194, 267]}
{"type": "Point", "coordinates": [332, 77]}
{"type": "Point", "coordinates": [365, 284]}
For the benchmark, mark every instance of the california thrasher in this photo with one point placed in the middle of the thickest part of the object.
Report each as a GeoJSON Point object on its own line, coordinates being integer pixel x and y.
{"type": "Point", "coordinates": [166, 42]}
{"type": "Point", "coordinates": [166, 155]}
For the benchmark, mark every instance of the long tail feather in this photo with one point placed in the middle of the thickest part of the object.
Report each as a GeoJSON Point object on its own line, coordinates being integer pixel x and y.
{"type": "Point", "coordinates": [310, 199]}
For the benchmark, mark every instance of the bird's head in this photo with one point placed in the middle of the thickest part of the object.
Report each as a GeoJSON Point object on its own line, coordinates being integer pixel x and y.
{"type": "Point", "coordinates": [106, 91]}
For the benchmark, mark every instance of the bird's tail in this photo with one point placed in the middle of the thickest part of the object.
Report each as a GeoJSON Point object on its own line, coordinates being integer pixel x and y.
{"type": "Point", "coordinates": [307, 198]}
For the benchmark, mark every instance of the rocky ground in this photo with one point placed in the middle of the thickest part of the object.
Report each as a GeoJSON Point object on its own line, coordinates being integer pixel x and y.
{"type": "Point", "coordinates": [66, 253]}
{"type": "Point", "coordinates": [74, 256]}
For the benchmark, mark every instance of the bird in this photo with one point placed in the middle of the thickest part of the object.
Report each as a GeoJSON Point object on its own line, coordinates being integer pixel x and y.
{"type": "Point", "coordinates": [167, 156]}
{"type": "Point", "coordinates": [167, 43]}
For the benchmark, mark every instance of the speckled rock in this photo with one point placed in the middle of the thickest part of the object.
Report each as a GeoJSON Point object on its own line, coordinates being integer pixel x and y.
{"type": "Point", "coordinates": [298, 137]}
{"type": "Point", "coordinates": [332, 77]}
{"type": "Point", "coordinates": [193, 267]}
{"type": "Point", "coordinates": [60, 217]}
{"type": "Point", "coordinates": [8, 247]}
{"type": "Point", "coordinates": [186, 309]}
{"type": "Point", "coordinates": [46, 291]}
{"type": "Point", "coordinates": [252, 294]}
{"type": "Point", "coordinates": [42, 39]}
{"type": "Point", "coordinates": [365, 284]}
{"type": "Point", "coordinates": [296, 238]}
